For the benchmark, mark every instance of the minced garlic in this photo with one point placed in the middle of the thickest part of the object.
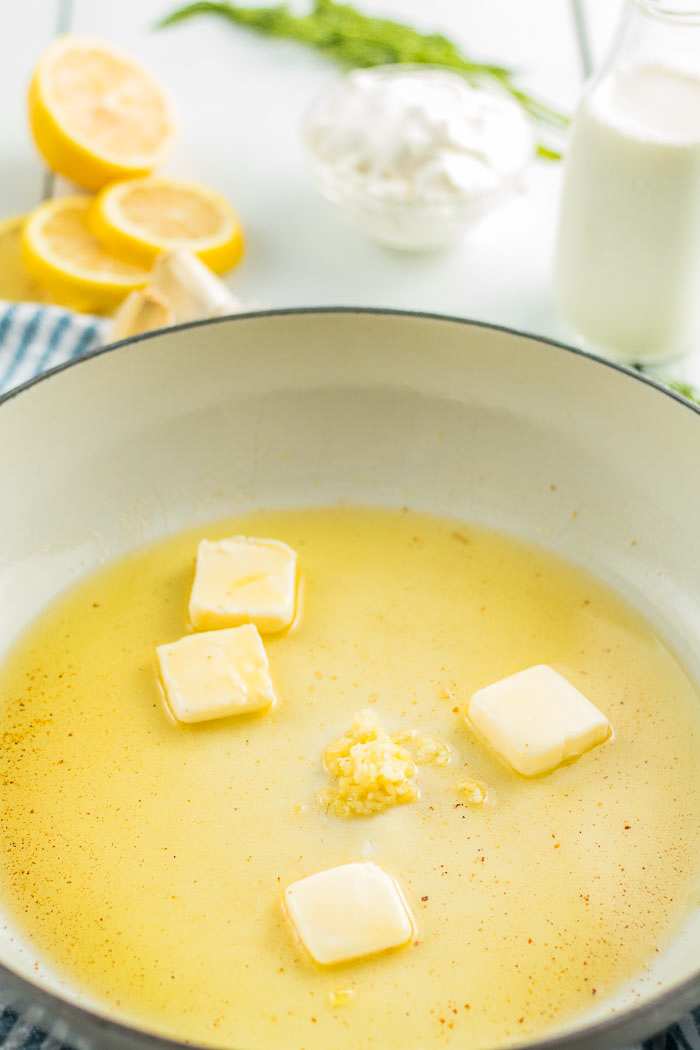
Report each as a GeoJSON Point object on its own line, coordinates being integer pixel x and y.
{"type": "Point", "coordinates": [369, 769]}
{"type": "Point", "coordinates": [474, 791]}
{"type": "Point", "coordinates": [427, 749]}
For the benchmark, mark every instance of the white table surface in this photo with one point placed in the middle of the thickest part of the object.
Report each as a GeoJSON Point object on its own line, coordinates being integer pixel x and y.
{"type": "Point", "coordinates": [241, 98]}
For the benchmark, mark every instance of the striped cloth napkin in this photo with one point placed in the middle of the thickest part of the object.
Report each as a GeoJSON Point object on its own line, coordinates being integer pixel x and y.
{"type": "Point", "coordinates": [33, 339]}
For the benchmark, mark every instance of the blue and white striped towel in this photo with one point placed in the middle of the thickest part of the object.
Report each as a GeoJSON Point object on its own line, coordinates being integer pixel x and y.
{"type": "Point", "coordinates": [33, 339]}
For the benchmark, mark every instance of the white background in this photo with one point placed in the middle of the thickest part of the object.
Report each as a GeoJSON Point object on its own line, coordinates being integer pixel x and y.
{"type": "Point", "coordinates": [241, 99]}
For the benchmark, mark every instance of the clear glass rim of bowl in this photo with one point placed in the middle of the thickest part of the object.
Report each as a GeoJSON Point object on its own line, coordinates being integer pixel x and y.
{"type": "Point", "coordinates": [675, 12]}
{"type": "Point", "coordinates": [460, 203]}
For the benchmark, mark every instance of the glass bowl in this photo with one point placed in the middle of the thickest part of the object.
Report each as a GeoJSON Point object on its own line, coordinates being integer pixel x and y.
{"type": "Point", "coordinates": [395, 208]}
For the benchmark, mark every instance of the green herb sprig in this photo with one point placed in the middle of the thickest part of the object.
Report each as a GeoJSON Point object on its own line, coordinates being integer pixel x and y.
{"type": "Point", "coordinates": [687, 390]}
{"type": "Point", "coordinates": [358, 40]}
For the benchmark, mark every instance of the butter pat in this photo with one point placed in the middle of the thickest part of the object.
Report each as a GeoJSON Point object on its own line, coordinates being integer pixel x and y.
{"type": "Point", "coordinates": [216, 674]}
{"type": "Point", "coordinates": [535, 720]}
{"type": "Point", "coordinates": [243, 580]}
{"type": "Point", "coordinates": [348, 912]}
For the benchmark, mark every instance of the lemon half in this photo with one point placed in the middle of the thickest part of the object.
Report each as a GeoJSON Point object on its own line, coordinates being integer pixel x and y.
{"type": "Point", "coordinates": [16, 282]}
{"type": "Point", "coordinates": [62, 253]}
{"type": "Point", "coordinates": [96, 114]}
{"type": "Point", "coordinates": [140, 218]}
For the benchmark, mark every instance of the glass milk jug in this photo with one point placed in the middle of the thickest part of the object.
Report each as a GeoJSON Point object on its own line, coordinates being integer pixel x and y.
{"type": "Point", "coordinates": [627, 271]}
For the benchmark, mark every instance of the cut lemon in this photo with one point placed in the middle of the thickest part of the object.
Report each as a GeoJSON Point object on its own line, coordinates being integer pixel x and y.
{"type": "Point", "coordinates": [63, 254]}
{"type": "Point", "coordinates": [96, 114]}
{"type": "Point", "coordinates": [16, 282]}
{"type": "Point", "coordinates": [140, 218]}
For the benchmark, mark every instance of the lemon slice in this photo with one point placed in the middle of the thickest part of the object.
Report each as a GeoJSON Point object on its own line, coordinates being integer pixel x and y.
{"type": "Point", "coordinates": [140, 218]}
{"type": "Point", "coordinates": [62, 253]}
{"type": "Point", "coordinates": [16, 282]}
{"type": "Point", "coordinates": [96, 114]}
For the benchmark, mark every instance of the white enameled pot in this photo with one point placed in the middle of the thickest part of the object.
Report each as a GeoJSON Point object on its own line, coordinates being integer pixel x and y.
{"type": "Point", "coordinates": [369, 407]}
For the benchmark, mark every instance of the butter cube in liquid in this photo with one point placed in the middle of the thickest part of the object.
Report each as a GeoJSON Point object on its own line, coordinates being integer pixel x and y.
{"type": "Point", "coordinates": [348, 912]}
{"type": "Point", "coordinates": [535, 720]}
{"type": "Point", "coordinates": [243, 580]}
{"type": "Point", "coordinates": [216, 674]}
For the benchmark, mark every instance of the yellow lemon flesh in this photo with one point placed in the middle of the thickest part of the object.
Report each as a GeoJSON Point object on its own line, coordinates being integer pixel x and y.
{"type": "Point", "coordinates": [96, 114]}
{"type": "Point", "coordinates": [140, 218]}
{"type": "Point", "coordinates": [16, 282]}
{"type": "Point", "coordinates": [63, 254]}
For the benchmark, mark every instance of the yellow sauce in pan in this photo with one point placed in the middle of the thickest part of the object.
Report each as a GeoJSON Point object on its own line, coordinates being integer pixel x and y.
{"type": "Point", "coordinates": [145, 860]}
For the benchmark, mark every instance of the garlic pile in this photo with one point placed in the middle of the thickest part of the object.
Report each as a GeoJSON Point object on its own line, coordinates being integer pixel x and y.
{"type": "Point", "coordinates": [182, 289]}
